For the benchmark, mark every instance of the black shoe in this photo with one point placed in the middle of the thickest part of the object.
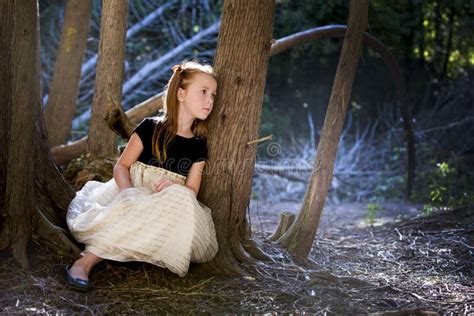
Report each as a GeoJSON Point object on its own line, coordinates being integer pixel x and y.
{"type": "Point", "coordinates": [75, 283]}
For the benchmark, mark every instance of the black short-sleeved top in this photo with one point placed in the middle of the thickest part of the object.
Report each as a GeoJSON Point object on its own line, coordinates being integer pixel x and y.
{"type": "Point", "coordinates": [181, 153]}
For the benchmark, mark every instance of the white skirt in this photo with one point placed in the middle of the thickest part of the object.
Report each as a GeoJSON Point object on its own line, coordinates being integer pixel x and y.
{"type": "Point", "coordinates": [168, 228]}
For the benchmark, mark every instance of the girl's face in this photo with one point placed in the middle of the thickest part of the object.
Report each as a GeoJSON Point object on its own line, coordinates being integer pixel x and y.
{"type": "Point", "coordinates": [197, 100]}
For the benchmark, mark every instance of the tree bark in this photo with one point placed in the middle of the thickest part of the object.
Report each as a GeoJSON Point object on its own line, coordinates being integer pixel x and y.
{"type": "Point", "coordinates": [109, 76]}
{"type": "Point", "coordinates": [241, 63]}
{"type": "Point", "coordinates": [32, 189]}
{"type": "Point", "coordinates": [299, 238]}
{"type": "Point", "coordinates": [61, 105]}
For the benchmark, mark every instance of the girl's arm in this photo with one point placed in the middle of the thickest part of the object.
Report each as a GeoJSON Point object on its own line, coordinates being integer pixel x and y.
{"type": "Point", "coordinates": [193, 181]}
{"type": "Point", "coordinates": [128, 157]}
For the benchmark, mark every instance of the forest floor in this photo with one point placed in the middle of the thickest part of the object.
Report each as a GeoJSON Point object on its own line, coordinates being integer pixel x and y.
{"type": "Point", "coordinates": [403, 262]}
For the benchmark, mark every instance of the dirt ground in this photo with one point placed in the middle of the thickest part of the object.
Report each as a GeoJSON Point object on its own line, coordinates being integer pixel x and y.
{"type": "Point", "coordinates": [422, 266]}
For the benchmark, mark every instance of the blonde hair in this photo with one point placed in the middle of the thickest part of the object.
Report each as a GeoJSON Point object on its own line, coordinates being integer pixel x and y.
{"type": "Point", "coordinates": [167, 125]}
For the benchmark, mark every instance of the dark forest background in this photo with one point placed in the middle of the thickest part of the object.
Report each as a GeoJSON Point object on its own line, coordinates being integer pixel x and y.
{"type": "Point", "coordinates": [432, 40]}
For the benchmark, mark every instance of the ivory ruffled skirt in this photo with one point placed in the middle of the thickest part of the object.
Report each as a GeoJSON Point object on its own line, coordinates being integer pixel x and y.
{"type": "Point", "coordinates": [169, 228]}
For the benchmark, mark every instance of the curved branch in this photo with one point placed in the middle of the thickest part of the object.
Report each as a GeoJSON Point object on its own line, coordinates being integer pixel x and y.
{"type": "Point", "coordinates": [331, 31]}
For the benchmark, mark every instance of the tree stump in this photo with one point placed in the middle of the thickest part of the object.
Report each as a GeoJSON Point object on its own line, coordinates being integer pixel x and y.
{"type": "Point", "coordinates": [286, 219]}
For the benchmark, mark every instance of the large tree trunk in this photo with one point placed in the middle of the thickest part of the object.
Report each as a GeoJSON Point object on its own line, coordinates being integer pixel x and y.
{"type": "Point", "coordinates": [241, 65]}
{"type": "Point", "coordinates": [299, 238]}
{"type": "Point", "coordinates": [32, 189]}
{"type": "Point", "coordinates": [61, 105]}
{"type": "Point", "coordinates": [109, 76]}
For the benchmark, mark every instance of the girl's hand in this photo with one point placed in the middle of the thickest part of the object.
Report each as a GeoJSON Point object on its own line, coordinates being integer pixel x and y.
{"type": "Point", "coordinates": [163, 183]}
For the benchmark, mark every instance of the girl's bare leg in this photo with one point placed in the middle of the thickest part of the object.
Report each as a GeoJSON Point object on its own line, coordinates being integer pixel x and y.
{"type": "Point", "coordinates": [82, 266]}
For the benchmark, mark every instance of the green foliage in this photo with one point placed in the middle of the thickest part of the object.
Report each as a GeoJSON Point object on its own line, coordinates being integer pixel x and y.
{"type": "Point", "coordinates": [372, 209]}
{"type": "Point", "coordinates": [439, 19]}
{"type": "Point", "coordinates": [254, 195]}
{"type": "Point", "coordinates": [427, 210]}
{"type": "Point", "coordinates": [442, 189]}
{"type": "Point", "coordinates": [441, 180]}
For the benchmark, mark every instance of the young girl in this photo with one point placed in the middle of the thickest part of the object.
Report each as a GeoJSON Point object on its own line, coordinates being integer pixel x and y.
{"type": "Point", "coordinates": [149, 211]}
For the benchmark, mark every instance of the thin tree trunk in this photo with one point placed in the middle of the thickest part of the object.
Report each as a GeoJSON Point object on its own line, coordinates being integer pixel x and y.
{"type": "Point", "coordinates": [91, 62]}
{"type": "Point", "coordinates": [241, 65]}
{"type": "Point", "coordinates": [332, 31]}
{"type": "Point", "coordinates": [61, 105]}
{"type": "Point", "coordinates": [109, 76]}
{"type": "Point", "coordinates": [299, 238]}
{"type": "Point", "coordinates": [31, 186]}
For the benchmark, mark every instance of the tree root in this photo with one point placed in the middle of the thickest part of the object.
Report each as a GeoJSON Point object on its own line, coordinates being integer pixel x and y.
{"type": "Point", "coordinates": [304, 261]}
{"type": "Point", "coordinates": [251, 245]}
{"type": "Point", "coordinates": [240, 254]}
{"type": "Point", "coordinates": [255, 250]}
{"type": "Point", "coordinates": [19, 252]}
{"type": "Point", "coordinates": [225, 266]}
{"type": "Point", "coordinates": [55, 237]}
